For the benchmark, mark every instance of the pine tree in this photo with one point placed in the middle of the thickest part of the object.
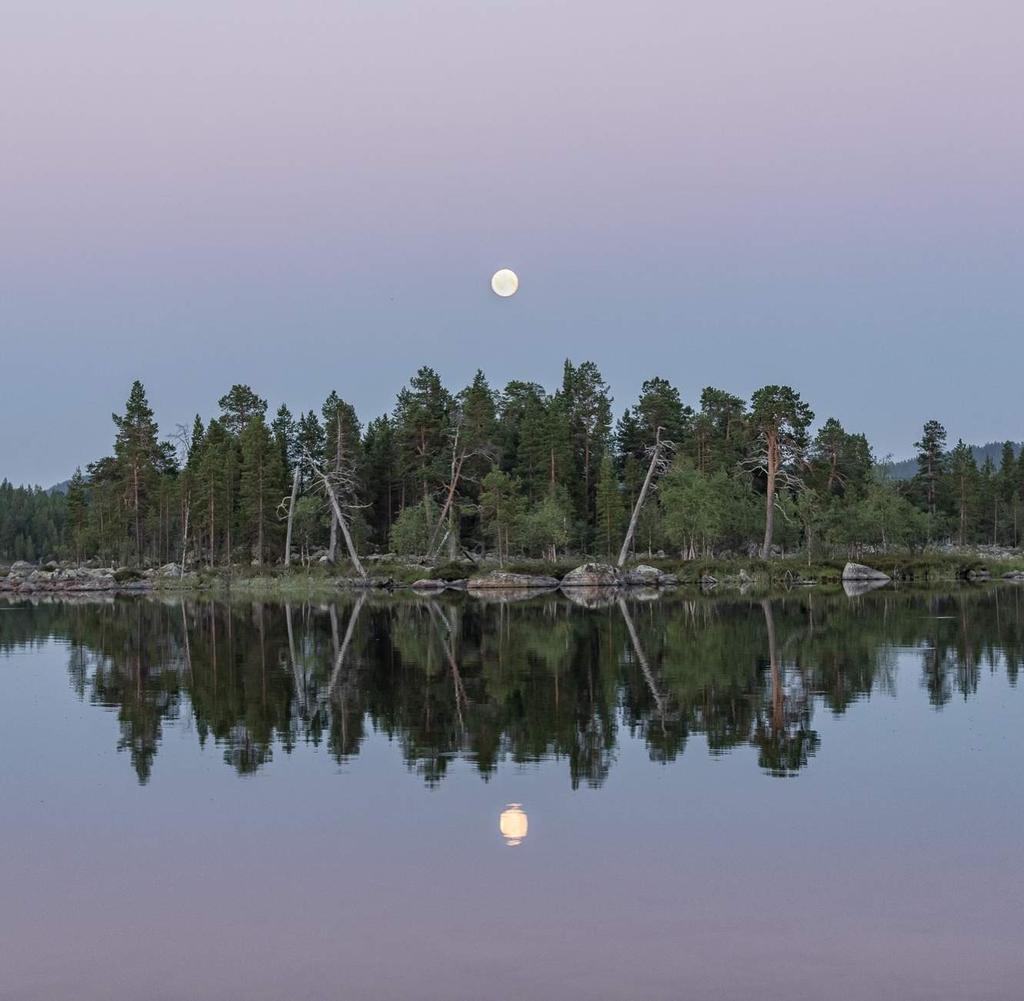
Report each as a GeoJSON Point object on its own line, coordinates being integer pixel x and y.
{"type": "Point", "coordinates": [260, 489]}
{"type": "Point", "coordinates": [239, 406]}
{"type": "Point", "coordinates": [139, 458]}
{"type": "Point", "coordinates": [216, 491]}
{"type": "Point", "coordinates": [1008, 495]}
{"type": "Point", "coordinates": [840, 461]}
{"type": "Point", "coordinates": [587, 409]}
{"type": "Point", "coordinates": [963, 470]}
{"type": "Point", "coordinates": [381, 473]}
{"type": "Point", "coordinates": [609, 508]}
{"type": "Point", "coordinates": [931, 467]}
{"type": "Point", "coordinates": [501, 512]}
{"type": "Point", "coordinates": [660, 406]}
{"type": "Point", "coordinates": [341, 458]}
{"type": "Point", "coordinates": [309, 445]}
{"type": "Point", "coordinates": [422, 420]}
{"type": "Point", "coordinates": [720, 431]}
{"type": "Point", "coordinates": [779, 420]}
{"type": "Point", "coordinates": [286, 432]}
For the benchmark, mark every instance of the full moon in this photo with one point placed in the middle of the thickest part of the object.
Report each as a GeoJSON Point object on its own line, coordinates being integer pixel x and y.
{"type": "Point", "coordinates": [505, 282]}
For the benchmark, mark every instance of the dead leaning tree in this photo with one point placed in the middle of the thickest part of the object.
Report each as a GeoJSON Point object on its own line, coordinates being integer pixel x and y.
{"type": "Point", "coordinates": [661, 453]}
{"type": "Point", "coordinates": [346, 482]}
{"type": "Point", "coordinates": [460, 456]}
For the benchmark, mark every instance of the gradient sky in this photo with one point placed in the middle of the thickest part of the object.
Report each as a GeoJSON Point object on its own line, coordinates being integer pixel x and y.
{"type": "Point", "coordinates": [313, 195]}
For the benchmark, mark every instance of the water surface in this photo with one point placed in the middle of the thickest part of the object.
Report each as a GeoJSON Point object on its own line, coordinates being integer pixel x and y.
{"type": "Point", "coordinates": [804, 797]}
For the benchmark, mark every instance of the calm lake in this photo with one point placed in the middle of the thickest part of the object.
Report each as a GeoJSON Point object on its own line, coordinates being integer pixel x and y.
{"type": "Point", "coordinates": [809, 797]}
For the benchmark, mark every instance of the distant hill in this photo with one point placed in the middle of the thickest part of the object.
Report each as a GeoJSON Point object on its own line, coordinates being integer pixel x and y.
{"type": "Point", "coordinates": [906, 468]}
{"type": "Point", "coordinates": [59, 488]}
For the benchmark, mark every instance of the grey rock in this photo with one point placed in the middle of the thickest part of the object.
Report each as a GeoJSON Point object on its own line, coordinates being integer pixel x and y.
{"type": "Point", "coordinates": [593, 575]}
{"type": "Point", "coordinates": [1014, 575]}
{"type": "Point", "coordinates": [858, 571]}
{"type": "Point", "coordinates": [428, 584]}
{"type": "Point", "coordinates": [644, 575]}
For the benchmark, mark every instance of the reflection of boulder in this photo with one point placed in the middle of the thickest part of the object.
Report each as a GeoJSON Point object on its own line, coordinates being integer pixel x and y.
{"type": "Point", "coordinates": [591, 596]}
{"type": "Point", "coordinates": [858, 571]}
{"type": "Point", "coordinates": [856, 587]}
{"type": "Point", "coordinates": [593, 575]}
{"type": "Point", "coordinates": [506, 595]}
{"type": "Point", "coordinates": [1014, 575]}
{"type": "Point", "coordinates": [644, 593]}
{"type": "Point", "coordinates": [498, 578]}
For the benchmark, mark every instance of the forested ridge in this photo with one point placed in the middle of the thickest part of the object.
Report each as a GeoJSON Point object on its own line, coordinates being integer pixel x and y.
{"type": "Point", "coordinates": [513, 473]}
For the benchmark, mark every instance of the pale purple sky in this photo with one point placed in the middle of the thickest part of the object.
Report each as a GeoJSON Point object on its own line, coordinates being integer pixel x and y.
{"type": "Point", "coordinates": [313, 195]}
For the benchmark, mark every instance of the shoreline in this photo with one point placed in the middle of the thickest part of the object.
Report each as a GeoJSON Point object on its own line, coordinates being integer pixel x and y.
{"type": "Point", "coordinates": [487, 580]}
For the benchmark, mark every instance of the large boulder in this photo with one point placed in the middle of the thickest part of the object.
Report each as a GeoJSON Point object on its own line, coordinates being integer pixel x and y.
{"type": "Point", "coordinates": [428, 584]}
{"type": "Point", "coordinates": [858, 571]}
{"type": "Point", "coordinates": [644, 575]}
{"type": "Point", "coordinates": [498, 578]}
{"type": "Point", "coordinates": [593, 575]}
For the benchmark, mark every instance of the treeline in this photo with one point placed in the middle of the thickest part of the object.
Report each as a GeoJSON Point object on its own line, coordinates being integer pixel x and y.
{"type": "Point", "coordinates": [32, 523]}
{"type": "Point", "coordinates": [520, 472]}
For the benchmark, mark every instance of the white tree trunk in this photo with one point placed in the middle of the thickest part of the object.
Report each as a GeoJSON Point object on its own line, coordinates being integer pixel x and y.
{"type": "Point", "coordinates": [648, 479]}
{"type": "Point", "coordinates": [350, 545]}
{"type": "Point", "coordinates": [291, 517]}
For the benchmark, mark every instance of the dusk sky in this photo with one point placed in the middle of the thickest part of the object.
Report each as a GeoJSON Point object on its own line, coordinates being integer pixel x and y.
{"type": "Point", "coordinates": [309, 196]}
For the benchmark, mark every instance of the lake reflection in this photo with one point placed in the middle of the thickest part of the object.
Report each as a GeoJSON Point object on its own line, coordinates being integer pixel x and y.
{"type": "Point", "coordinates": [521, 682]}
{"type": "Point", "coordinates": [796, 798]}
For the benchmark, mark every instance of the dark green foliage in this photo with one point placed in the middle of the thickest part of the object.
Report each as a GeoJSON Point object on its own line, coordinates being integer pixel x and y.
{"type": "Point", "coordinates": [520, 474]}
{"type": "Point", "coordinates": [32, 523]}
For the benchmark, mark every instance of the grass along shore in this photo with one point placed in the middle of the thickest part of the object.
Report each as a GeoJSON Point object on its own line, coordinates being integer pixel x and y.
{"type": "Point", "coordinates": [916, 568]}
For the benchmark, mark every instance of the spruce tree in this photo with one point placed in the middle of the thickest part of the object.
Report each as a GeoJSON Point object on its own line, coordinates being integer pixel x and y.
{"type": "Point", "coordinates": [76, 502]}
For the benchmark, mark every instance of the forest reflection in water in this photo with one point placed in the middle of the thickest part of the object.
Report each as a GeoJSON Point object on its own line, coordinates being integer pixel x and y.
{"type": "Point", "coordinates": [497, 682]}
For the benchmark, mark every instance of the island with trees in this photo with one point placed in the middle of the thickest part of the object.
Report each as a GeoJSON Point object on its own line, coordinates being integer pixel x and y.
{"type": "Point", "coordinates": [509, 477]}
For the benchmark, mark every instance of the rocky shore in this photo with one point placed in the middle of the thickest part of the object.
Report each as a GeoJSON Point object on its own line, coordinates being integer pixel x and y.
{"type": "Point", "coordinates": [581, 583]}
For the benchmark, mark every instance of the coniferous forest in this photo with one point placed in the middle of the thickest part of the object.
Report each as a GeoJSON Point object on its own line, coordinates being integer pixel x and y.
{"type": "Point", "coordinates": [513, 473]}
